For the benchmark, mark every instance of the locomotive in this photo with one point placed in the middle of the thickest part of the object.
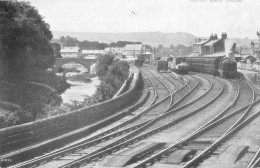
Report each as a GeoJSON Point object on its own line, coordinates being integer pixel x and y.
{"type": "Point", "coordinates": [179, 65]}
{"type": "Point", "coordinates": [139, 61]}
{"type": "Point", "coordinates": [162, 65]}
{"type": "Point", "coordinates": [219, 65]}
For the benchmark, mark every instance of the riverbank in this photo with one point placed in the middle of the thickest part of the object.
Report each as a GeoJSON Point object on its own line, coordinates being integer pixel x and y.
{"type": "Point", "coordinates": [111, 74]}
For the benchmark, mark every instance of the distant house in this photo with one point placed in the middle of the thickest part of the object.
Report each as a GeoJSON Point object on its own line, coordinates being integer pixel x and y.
{"type": "Point", "coordinates": [70, 52]}
{"type": "Point", "coordinates": [197, 46]}
{"type": "Point", "coordinates": [209, 46]}
{"type": "Point", "coordinates": [91, 53]}
{"type": "Point", "coordinates": [115, 50]}
{"type": "Point", "coordinates": [134, 50]}
{"type": "Point", "coordinates": [214, 45]}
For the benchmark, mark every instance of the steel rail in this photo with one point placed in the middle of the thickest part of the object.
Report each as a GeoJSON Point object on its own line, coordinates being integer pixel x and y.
{"type": "Point", "coordinates": [223, 137]}
{"type": "Point", "coordinates": [198, 131]}
{"type": "Point", "coordinates": [186, 139]}
{"type": "Point", "coordinates": [100, 137]}
{"type": "Point", "coordinates": [171, 93]}
{"type": "Point", "coordinates": [127, 141]}
{"type": "Point", "coordinates": [96, 139]}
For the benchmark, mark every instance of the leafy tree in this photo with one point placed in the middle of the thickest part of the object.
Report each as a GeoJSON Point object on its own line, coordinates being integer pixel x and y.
{"type": "Point", "coordinates": [62, 39]}
{"type": "Point", "coordinates": [70, 41]}
{"type": "Point", "coordinates": [103, 61]}
{"type": "Point", "coordinates": [113, 44]}
{"type": "Point", "coordinates": [56, 48]}
{"type": "Point", "coordinates": [120, 70]}
{"type": "Point", "coordinates": [160, 47]}
{"type": "Point", "coordinates": [92, 45]}
{"type": "Point", "coordinates": [24, 37]}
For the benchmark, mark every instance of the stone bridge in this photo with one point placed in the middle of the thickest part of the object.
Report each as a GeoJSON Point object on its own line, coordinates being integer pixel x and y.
{"type": "Point", "coordinates": [85, 62]}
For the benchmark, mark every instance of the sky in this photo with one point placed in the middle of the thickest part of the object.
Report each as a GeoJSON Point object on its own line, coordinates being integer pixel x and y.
{"type": "Point", "coordinates": [239, 19]}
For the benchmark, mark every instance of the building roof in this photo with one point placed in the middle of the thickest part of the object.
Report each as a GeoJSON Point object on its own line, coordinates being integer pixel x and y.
{"type": "Point", "coordinates": [70, 50]}
{"type": "Point", "coordinates": [210, 43]}
{"type": "Point", "coordinates": [92, 51]}
{"type": "Point", "coordinates": [201, 42]}
{"type": "Point", "coordinates": [114, 49]}
{"type": "Point", "coordinates": [133, 47]}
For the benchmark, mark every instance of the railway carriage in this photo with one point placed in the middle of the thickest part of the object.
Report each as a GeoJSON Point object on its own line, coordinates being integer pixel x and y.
{"type": "Point", "coordinates": [213, 65]}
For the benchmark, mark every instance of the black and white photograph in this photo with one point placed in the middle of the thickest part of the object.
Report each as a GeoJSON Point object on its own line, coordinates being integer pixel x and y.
{"type": "Point", "coordinates": [130, 83]}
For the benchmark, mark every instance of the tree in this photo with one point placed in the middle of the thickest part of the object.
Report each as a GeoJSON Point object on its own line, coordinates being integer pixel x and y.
{"type": "Point", "coordinates": [62, 39]}
{"type": "Point", "coordinates": [160, 47]}
{"type": "Point", "coordinates": [103, 61]}
{"type": "Point", "coordinates": [24, 37]}
{"type": "Point", "coordinates": [56, 48]}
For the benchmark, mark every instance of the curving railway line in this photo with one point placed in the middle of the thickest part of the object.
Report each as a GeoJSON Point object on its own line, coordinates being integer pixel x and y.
{"type": "Point", "coordinates": [188, 121]}
{"type": "Point", "coordinates": [192, 146]}
{"type": "Point", "coordinates": [116, 131]}
{"type": "Point", "coordinates": [154, 127]}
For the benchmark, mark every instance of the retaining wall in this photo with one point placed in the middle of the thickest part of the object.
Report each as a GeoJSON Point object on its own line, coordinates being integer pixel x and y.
{"type": "Point", "coordinates": [20, 136]}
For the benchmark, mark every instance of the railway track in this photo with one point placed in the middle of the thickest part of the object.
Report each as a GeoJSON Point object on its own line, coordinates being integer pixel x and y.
{"type": "Point", "coordinates": [81, 143]}
{"type": "Point", "coordinates": [127, 141]}
{"type": "Point", "coordinates": [48, 166]}
{"type": "Point", "coordinates": [192, 107]}
{"type": "Point", "coordinates": [238, 145]}
{"type": "Point", "coordinates": [190, 146]}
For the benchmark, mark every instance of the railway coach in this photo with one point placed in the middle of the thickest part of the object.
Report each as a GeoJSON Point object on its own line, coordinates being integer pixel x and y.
{"type": "Point", "coordinates": [220, 65]}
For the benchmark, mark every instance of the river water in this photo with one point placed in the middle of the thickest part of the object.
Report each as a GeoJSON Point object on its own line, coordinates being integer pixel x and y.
{"type": "Point", "coordinates": [79, 90]}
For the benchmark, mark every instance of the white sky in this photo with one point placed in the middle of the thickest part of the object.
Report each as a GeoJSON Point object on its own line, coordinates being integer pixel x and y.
{"type": "Point", "coordinates": [238, 19]}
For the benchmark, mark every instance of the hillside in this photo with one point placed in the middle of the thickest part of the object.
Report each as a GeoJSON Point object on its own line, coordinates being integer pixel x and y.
{"type": "Point", "coordinates": [150, 38]}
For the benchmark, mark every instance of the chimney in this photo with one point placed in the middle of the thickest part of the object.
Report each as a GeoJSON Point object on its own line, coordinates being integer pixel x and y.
{"type": "Point", "coordinates": [211, 36]}
{"type": "Point", "coordinates": [223, 35]}
{"type": "Point", "coordinates": [215, 37]}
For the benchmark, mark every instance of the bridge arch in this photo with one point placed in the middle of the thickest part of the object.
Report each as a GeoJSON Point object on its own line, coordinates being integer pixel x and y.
{"type": "Point", "coordinates": [85, 62]}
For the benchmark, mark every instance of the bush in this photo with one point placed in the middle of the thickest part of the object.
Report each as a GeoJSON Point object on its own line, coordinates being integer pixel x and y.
{"type": "Point", "coordinates": [112, 73]}
{"type": "Point", "coordinates": [15, 118]}
{"type": "Point", "coordinates": [103, 61]}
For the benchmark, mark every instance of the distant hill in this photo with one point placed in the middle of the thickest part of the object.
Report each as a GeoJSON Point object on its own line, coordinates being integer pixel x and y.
{"type": "Point", "coordinates": [150, 38]}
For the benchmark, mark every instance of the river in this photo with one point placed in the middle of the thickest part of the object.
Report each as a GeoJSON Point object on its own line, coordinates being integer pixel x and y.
{"type": "Point", "coordinates": [79, 90]}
